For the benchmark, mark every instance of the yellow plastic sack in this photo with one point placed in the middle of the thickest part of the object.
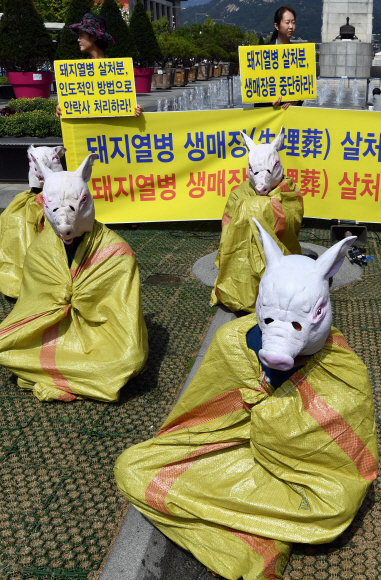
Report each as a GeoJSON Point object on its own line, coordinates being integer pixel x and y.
{"type": "Point", "coordinates": [20, 223]}
{"type": "Point", "coordinates": [239, 471]}
{"type": "Point", "coordinates": [79, 331]}
{"type": "Point", "coordinates": [240, 257]}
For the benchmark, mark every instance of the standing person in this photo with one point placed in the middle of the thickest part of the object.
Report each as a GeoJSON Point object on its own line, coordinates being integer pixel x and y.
{"type": "Point", "coordinates": [284, 30]}
{"type": "Point", "coordinates": [93, 39]}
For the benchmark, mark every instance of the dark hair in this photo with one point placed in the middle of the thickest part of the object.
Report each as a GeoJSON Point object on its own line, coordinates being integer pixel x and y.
{"type": "Point", "coordinates": [278, 18]}
{"type": "Point", "coordinates": [376, 91]}
{"type": "Point", "coordinates": [102, 44]}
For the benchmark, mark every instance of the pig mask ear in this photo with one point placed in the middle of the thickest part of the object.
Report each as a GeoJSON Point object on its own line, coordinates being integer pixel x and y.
{"type": "Point", "coordinates": [272, 252]}
{"type": "Point", "coordinates": [84, 170]}
{"type": "Point", "coordinates": [41, 167]}
{"type": "Point", "coordinates": [249, 143]}
{"type": "Point", "coordinates": [278, 141]}
{"type": "Point", "coordinates": [331, 261]}
{"type": "Point", "coordinates": [60, 150]}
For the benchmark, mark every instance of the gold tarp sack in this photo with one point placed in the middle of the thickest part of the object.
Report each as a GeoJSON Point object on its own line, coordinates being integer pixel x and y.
{"type": "Point", "coordinates": [20, 224]}
{"type": "Point", "coordinates": [240, 258]}
{"type": "Point", "coordinates": [239, 471]}
{"type": "Point", "coordinates": [78, 331]}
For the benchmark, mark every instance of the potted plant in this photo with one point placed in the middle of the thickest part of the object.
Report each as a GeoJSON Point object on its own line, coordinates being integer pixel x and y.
{"type": "Point", "coordinates": [26, 49]}
{"type": "Point", "coordinates": [146, 47]}
{"type": "Point", "coordinates": [68, 48]}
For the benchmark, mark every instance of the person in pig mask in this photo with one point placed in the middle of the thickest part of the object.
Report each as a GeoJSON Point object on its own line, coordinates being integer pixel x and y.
{"type": "Point", "coordinates": [77, 329]}
{"type": "Point", "coordinates": [274, 440]}
{"type": "Point", "coordinates": [23, 219]}
{"type": "Point", "coordinates": [278, 205]}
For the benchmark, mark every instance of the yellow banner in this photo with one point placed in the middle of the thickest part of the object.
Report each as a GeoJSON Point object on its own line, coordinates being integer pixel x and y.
{"type": "Point", "coordinates": [95, 87]}
{"type": "Point", "coordinates": [183, 165]}
{"type": "Point", "coordinates": [270, 71]}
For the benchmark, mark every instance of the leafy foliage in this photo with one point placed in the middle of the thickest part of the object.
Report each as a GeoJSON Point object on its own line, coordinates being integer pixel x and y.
{"type": "Point", "coordinates": [143, 37]}
{"type": "Point", "coordinates": [30, 124]}
{"type": "Point", "coordinates": [25, 43]}
{"type": "Point", "coordinates": [68, 48]}
{"type": "Point", "coordinates": [119, 30]}
{"type": "Point", "coordinates": [36, 104]}
{"type": "Point", "coordinates": [4, 80]}
{"type": "Point", "coordinates": [177, 49]}
{"type": "Point", "coordinates": [52, 10]}
{"type": "Point", "coordinates": [213, 41]}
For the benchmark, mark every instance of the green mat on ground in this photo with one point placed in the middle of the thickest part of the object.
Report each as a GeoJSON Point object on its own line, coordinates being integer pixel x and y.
{"type": "Point", "coordinates": [60, 509]}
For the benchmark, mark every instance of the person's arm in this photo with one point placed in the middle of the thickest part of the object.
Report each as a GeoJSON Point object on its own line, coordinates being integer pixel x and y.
{"type": "Point", "coordinates": [287, 104]}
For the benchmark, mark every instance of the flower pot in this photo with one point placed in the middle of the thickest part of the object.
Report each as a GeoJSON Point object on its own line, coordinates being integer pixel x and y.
{"type": "Point", "coordinates": [31, 84]}
{"type": "Point", "coordinates": [203, 72]}
{"type": "Point", "coordinates": [181, 77]}
{"type": "Point", "coordinates": [192, 77]}
{"type": "Point", "coordinates": [143, 79]}
{"type": "Point", "coordinates": [162, 80]}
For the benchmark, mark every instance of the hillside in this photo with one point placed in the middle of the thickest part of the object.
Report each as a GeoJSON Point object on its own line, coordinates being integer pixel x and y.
{"type": "Point", "coordinates": [258, 15]}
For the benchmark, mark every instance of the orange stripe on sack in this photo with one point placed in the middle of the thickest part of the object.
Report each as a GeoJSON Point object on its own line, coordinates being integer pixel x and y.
{"type": "Point", "coordinates": [120, 249]}
{"type": "Point", "coordinates": [284, 187]}
{"type": "Point", "coordinates": [157, 490]}
{"type": "Point", "coordinates": [280, 218]}
{"type": "Point", "coordinates": [39, 200]}
{"type": "Point", "coordinates": [217, 407]}
{"type": "Point", "coordinates": [48, 362]}
{"type": "Point", "coordinates": [338, 340]}
{"type": "Point", "coordinates": [226, 219]}
{"type": "Point", "coordinates": [265, 548]}
{"type": "Point", "coordinates": [337, 428]}
{"type": "Point", "coordinates": [5, 331]}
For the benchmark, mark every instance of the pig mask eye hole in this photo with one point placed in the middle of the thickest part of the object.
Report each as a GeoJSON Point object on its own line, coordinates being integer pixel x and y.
{"type": "Point", "coordinates": [268, 320]}
{"type": "Point", "coordinates": [318, 312]}
{"type": "Point", "coordinates": [297, 326]}
{"type": "Point", "coordinates": [72, 208]}
{"type": "Point", "coordinates": [55, 209]}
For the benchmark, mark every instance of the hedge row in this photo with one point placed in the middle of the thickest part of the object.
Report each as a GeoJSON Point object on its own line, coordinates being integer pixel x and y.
{"type": "Point", "coordinates": [30, 124]}
{"type": "Point", "coordinates": [36, 104]}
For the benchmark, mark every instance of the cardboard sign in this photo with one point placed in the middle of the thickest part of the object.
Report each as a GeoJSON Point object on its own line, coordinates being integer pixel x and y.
{"type": "Point", "coordinates": [271, 71]}
{"type": "Point", "coordinates": [95, 87]}
{"type": "Point", "coordinates": [183, 165]}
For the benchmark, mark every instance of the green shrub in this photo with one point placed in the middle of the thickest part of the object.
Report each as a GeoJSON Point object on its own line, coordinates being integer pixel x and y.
{"type": "Point", "coordinates": [118, 29]}
{"type": "Point", "coordinates": [68, 48]}
{"type": "Point", "coordinates": [30, 124]}
{"type": "Point", "coordinates": [143, 37]}
{"type": "Point", "coordinates": [25, 43]}
{"type": "Point", "coordinates": [36, 104]}
{"type": "Point", "coordinates": [4, 80]}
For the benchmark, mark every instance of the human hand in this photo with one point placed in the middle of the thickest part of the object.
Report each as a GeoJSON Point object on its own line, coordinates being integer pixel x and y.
{"type": "Point", "coordinates": [285, 106]}
{"type": "Point", "coordinates": [277, 102]}
{"type": "Point", "coordinates": [58, 111]}
{"type": "Point", "coordinates": [138, 110]}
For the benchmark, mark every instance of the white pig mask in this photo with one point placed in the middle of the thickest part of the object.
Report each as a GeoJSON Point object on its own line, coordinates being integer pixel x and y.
{"type": "Point", "coordinates": [48, 156]}
{"type": "Point", "coordinates": [265, 169]}
{"type": "Point", "coordinates": [68, 203]}
{"type": "Point", "coordinates": [293, 307]}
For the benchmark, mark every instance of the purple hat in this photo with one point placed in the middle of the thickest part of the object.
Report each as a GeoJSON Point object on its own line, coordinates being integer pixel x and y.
{"type": "Point", "coordinates": [93, 24]}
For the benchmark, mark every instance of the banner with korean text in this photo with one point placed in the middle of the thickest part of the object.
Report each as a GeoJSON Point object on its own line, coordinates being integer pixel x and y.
{"type": "Point", "coordinates": [183, 165]}
{"type": "Point", "coordinates": [96, 87]}
{"type": "Point", "coordinates": [271, 71]}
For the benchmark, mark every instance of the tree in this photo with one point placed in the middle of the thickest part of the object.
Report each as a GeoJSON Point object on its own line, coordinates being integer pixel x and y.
{"type": "Point", "coordinates": [118, 29]}
{"type": "Point", "coordinates": [161, 26]}
{"type": "Point", "coordinates": [68, 48]}
{"type": "Point", "coordinates": [52, 10]}
{"type": "Point", "coordinates": [26, 45]}
{"type": "Point", "coordinates": [143, 37]}
{"type": "Point", "coordinates": [177, 49]}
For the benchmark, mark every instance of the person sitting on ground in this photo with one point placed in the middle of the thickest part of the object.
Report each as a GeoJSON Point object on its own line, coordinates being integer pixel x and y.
{"type": "Point", "coordinates": [93, 39]}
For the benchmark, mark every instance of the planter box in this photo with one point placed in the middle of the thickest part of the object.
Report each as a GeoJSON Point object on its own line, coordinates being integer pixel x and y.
{"type": "Point", "coordinates": [7, 92]}
{"type": "Point", "coordinates": [164, 80]}
{"type": "Point", "coordinates": [226, 69]}
{"type": "Point", "coordinates": [203, 72]}
{"type": "Point", "coordinates": [217, 70]}
{"type": "Point", "coordinates": [181, 77]}
{"type": "Point", "coordinates": [30, 84]}
{"type": "Point", "coordinates": [143, 79]}
{"type": "Point", "coordinates": [192, 76]}
{"type": "Point", "coordinates": [14, 164]}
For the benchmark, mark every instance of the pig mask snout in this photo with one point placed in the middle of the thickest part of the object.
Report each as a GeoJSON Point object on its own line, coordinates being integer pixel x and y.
{"type": "Point", "coordinates": [293, 306]}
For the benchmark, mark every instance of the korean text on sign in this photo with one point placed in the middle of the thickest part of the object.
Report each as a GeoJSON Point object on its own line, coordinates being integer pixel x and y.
{"type": "Point", "coordinates": [99, 88]}
{"type": "Point", "coordinates": [272, 71]}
